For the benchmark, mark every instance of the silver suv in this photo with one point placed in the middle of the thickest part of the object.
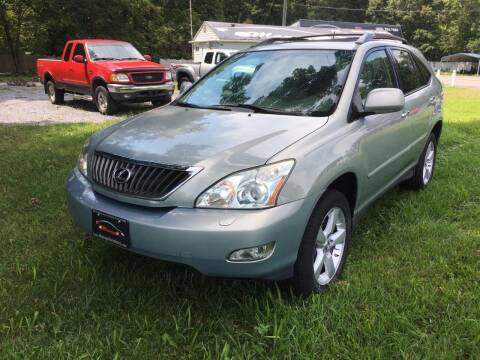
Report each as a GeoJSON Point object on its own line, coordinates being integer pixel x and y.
{"type": "Point", "coordinates": [261, 168]}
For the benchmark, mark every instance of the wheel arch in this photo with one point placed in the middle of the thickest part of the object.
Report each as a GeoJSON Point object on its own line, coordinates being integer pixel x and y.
{"type": "Point", "coordinates": [437, 130]}
{"type": "Point", "coordinates": [347, 184]}
{"type": "Point", "coordinates": [46, 78]}
{"type": "Point", "coordinates": [97, 81]}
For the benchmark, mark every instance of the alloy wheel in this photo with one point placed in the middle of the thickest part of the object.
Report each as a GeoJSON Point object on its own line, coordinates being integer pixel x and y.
{"type": "Point", "coordinates": [51, 92]}
{"type": "Point", "coordinates": [428, 163]}
{"type": "Point", "coordinates": [329, 246]}
{"type": "Point", "coordinates": [102, 101]}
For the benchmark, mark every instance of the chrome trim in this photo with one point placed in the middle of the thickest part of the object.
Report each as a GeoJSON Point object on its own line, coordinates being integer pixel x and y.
{"type": "Point", "coordinates": [131, 89]}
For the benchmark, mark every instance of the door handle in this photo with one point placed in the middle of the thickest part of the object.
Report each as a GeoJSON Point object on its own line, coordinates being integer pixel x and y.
{"type": "Point", "coordinates": [405, 114]}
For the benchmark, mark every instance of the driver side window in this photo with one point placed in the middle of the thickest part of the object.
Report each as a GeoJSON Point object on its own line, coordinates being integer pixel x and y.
{"type": "Point", "coordinates": [377, 73]}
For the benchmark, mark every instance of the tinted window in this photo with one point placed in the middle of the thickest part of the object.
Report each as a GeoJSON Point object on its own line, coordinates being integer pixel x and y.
{"type": "Point", "coordinates": [307, 82]}
{"type": "Point", "coordinates": [208, 58]}
{"type": "Point", "coordinates": [113, 51]}
{"type": "Point", "coordinates": [423, 71]}
{"type": "Point", "coordinates": [220, 57]}
{"type": "Point", "coordinates": [408, 74]}
{"type": "Point", "coordinates": [377, 73]}
{"type": "Point", "coordinates": [66, 56]}
{"type": "Point", "coordinates": [79, 50]}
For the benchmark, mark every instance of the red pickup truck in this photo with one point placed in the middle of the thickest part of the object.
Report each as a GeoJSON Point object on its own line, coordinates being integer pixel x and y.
{"type": "Point", "coordinates": [110, 71]}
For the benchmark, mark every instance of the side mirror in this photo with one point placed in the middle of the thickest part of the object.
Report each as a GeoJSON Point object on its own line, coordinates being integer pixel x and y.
{"type": "Point", "coordinates": [384, 100]}
{"type": "Point", "coordinates": [78, 59]}
{"type": "Point", "coordinates": [184, 86]}
{"type": "Point", "coordinates": [147, 57]}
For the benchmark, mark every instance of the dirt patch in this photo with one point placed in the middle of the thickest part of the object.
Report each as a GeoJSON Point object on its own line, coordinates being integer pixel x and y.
{"type": "Point", "coordinates": [30, 105]}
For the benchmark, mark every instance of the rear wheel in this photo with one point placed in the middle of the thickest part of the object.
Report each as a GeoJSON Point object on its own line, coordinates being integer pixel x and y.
{"type": "Point", "coordinates": [423, 172]}
{"type": "Point", "coordinates": [324, 246]}
{"type": "Point", "coordinates": [181, 80]}
{"type": "Point", "coordinates": [55, 95]}
{"type": "Point", "coordinates": [104, 102]}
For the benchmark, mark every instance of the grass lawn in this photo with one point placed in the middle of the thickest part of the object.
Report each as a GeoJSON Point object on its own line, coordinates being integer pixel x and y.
{"type": "Point", "coordinates": [410, 288]}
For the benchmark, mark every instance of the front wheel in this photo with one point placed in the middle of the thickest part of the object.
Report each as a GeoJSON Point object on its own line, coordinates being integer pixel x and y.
{"type": "Point", "coordinates": [55, 95]}
{"type": "Point", "coordinates": [324, 246]}
{"type": "Point", "coordinates": [104, 102]}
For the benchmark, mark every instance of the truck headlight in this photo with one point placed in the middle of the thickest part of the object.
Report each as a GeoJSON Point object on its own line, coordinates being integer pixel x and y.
{"type": "Point", "coordinates": [119, 78]}
{"type": "Point", "coordinates": [250, 189]}
{"type": "Point", "coordinates": [83, 159]}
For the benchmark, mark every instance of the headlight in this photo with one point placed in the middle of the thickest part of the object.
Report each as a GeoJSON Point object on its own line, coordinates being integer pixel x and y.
{"type": "Point", "coordinates": [119, 78]}
{"type": "Point", "coordinates": [250, 189]}
{"type": "Point", "coordinates": [83, 158]}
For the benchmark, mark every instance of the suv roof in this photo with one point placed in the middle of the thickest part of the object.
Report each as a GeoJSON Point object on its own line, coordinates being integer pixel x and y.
{"type": "Point", "coordinates": [350, 39]}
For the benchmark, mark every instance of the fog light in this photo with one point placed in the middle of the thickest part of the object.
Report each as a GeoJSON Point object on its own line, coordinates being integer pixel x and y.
{"type": "Point", "coordinates": [253, 254]}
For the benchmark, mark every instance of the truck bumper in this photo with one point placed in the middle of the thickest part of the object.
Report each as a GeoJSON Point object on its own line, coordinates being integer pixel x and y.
{"type": "Point", "coordinates": [202, 238]}
{"type": "Point", "coordinates": [138, 93]}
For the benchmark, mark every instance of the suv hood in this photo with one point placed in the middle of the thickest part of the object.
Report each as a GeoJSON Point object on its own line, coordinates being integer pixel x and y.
{"type": "Point", "coordinates": [200, 137]}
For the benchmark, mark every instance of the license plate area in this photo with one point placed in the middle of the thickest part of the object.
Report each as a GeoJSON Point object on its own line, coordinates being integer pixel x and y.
{"type": "Point", "coordinates": [110, 228]}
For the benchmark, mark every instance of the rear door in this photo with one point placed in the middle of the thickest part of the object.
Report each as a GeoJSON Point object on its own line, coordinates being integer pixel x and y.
{"type": "Point", "coordinates": [207, 63]}
{"type": "Point", "coordinates": [419, 104]}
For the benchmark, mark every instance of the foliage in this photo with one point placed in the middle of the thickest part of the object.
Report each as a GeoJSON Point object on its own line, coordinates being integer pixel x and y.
{"type": "Point", "coordinates": [162, 27]}
{"type": "Point", "coordinates": [410, 288]}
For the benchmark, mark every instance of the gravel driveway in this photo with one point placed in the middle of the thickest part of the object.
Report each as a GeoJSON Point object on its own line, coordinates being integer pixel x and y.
{"type": "Point", "coordinates": [30, 105]}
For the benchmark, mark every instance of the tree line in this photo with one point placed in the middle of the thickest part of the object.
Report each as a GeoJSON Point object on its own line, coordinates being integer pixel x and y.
{"type": "Point", "coordinates": [162, 27]}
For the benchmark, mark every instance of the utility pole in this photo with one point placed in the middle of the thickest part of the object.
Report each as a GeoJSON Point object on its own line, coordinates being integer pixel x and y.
{"type": "Point", "coordinates": [284, 17]}
{"type": "Point", "coordinates": [191, 21]}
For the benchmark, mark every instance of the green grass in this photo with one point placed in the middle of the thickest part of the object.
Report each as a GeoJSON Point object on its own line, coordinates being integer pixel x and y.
{"type": "Point", "coordinates": [410, 288]}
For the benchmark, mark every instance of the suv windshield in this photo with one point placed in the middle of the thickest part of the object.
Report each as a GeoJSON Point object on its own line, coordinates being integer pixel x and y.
{"type": "Point", "coordinates": [113, 51]}
{"type": "Point", "coordinates": [300, 82]}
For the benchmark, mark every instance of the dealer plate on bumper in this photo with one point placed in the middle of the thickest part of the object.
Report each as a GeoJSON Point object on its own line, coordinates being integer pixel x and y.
{"type": "Point", "coordinates": [110, 228]}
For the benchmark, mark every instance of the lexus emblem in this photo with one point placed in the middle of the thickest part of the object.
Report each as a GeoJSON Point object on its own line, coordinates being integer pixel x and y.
{"type": "Point", "coordinates": [122, 175]}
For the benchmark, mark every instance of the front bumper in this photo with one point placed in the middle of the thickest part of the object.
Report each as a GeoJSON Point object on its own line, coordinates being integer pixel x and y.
{"type": "Point", "coordinates": [202, 238]}
{"type": "Point", "coordinates": [128, 92]}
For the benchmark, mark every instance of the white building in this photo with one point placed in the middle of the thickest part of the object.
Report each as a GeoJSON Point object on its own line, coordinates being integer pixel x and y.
{"type": "Point", "coordinates": [230, 36]}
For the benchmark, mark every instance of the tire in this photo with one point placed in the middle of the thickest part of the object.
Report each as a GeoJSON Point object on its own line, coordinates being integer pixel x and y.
{"type": "Point", "coordinates": [332, 216]}
{"type": "Point", "coordinates": [182, 79]}
{"type": "Point", "coordinates": [423, 171]}
{"type": "Point", "coordinates": [163, 101]}
{"type": "Point", "coordinates": [104, 102]}
{"type": "Point", "coordinates": [55, 95]}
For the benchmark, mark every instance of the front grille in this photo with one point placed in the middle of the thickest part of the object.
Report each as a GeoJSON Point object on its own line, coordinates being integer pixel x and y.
{"type": "Point", "coordinates": [147, 77]}
{"type": "Point", "coordinates": [145, 179]}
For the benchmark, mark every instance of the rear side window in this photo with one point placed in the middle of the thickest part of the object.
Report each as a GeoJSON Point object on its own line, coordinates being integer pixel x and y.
{"type": "Point", "coordinates": [377, 73]}
{"type": "Point", "coordinates": [410, 78]}
{"type": "Point", "coordinates": [208, 58]}
{"type": "Point", "coordinates": [424, 72]}
{"type": "Point", "coordinates": [66, 56]}
{"type": "Point", "coordinates": [79, 50]}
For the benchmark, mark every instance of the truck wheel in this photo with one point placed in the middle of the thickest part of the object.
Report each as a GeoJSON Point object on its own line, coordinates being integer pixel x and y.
{"type": "Point", "coordinates": [325, 244]}
{"type": "Point", "coordinates": [104, 102]}
{"type": "Point", "coordinates": [55, 95]}
{"type": "Point", "coordinates": [181, 80]}
{"type": "Point", "coordinates": [161, 102]}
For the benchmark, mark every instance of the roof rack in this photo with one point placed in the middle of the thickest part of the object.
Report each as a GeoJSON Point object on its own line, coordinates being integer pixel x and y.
{"type": "Point", "coordinates": [361, 37]}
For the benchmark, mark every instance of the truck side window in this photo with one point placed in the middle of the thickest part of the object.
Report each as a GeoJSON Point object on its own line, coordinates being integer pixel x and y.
{"type": "Point", "coordinates": [219, 57]}
{"type": "Point", "coordinates": [409, 76]}
{"type": "Point", "coordinates": [208, 58]}
{"type": "Point", "coordinates": [79, 50]}
{"type": "Point", "coordinates": [66, 56]}
{"type": "Point", "coordinates": [377, 73]}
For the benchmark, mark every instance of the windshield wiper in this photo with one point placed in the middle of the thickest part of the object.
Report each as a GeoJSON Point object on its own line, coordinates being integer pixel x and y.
{"type": "Point", "coordinates": [195, 106]}
{"type": "Point", "coordinates": [105, 58]}
{"type": "Point", "coordinates": [265, 110]}
{"type": "Point", "coordinates": [131, 58]}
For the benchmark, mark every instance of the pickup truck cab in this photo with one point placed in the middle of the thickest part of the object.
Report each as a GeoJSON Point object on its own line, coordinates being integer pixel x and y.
{"type": "Point", "coordinates": [192, 72]}
{"type": "Point", "coordinates": [110, 71]}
